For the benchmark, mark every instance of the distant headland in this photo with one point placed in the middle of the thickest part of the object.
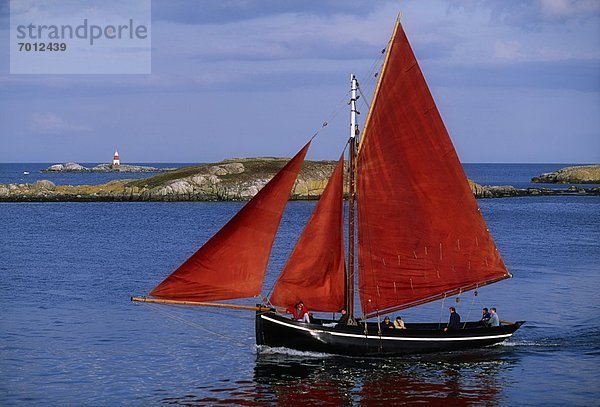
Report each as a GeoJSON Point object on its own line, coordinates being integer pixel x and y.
{"type": "Point", "coordinates": [229, 180]}
{"type": "Point", "coordinates": [115, 166]}
{"type": "Point", "coordinates": [582, 174]}
{"type": "Point", "coordinates": [75, 167]}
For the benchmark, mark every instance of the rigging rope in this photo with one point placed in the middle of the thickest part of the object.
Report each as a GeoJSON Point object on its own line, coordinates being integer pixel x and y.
{"type": "Point", "coordinates": [441, 311]}
{"type": "Point", "coordinates": [175, 317]}
{"type": "Point", "coordinates": [332, 115]}
{"type": "Point", "coordinates": [375, 68]}
{"type": "Point", "coordinates": [365, 101]}
{"type": "Point", "coordinates": [372, 75]}
{"type": "Point", "coordinates": [470, 308]}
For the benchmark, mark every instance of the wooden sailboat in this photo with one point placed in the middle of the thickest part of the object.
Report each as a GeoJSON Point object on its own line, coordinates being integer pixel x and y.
{"type": "Point", "coordinates": [421, 236]}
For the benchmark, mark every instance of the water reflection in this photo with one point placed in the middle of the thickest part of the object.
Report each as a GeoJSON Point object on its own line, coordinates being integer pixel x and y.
{"type": "Point", "coordinates": [457, 378]}
{"type": "Point", "coordinates": [285, 378]}
{"type": "Point", "coordinates": [292, 377]}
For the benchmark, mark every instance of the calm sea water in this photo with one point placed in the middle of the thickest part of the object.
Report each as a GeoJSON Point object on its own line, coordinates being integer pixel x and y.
{"type": "Point", "coordinates": [69, 335]}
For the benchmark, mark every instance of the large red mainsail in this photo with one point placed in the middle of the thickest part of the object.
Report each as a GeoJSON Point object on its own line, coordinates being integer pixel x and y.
{"type": "Point", "coordinates": [233, 262]}
{"type": "Point", "coordinates": [314, 273]}
{"type": "Point", "coordinates": [421, 234]}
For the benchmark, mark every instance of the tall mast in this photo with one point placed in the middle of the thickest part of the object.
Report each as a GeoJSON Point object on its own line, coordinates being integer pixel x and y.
{"type": "Point", "coordinates": [351, 191]}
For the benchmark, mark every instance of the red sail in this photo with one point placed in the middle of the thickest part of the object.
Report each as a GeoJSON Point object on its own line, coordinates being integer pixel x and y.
{"type": "Point", "coordinates": [233, 262]}
{"type": "Point", "coordinates": [314, 273]}
{"type": "Point", "coordinates": [421, 234]}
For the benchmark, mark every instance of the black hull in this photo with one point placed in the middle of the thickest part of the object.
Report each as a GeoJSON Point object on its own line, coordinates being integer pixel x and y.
{"type": "Point", "coordinates": [277, 331]}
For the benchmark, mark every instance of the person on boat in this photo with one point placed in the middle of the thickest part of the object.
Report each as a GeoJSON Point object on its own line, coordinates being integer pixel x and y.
{"type": "Point", "coordinates": [494, 319]}
{"type": "Point", "coordinates": [387, 323]}
{"type": "Point", "coordinates": [300, 312]}
{"type": "Point", "coordinates": [399, 323]}
{"type": "Point", "coordinates": [485, 317]}
{"type": "Point", "coordinates": [454, 322]}
{"type": "Point", "coordinates": [345, 319]}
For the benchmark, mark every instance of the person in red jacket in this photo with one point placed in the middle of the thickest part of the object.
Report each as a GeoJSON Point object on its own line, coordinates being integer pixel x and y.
{"type": "Point", "coordinates": [300, 312]}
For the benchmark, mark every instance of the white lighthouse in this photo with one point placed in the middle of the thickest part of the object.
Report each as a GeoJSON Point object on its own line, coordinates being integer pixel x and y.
{"type": "Point", "coordinates": [116, 162]}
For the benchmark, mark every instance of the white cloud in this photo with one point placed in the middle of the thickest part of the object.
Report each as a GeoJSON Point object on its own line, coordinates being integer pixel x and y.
{"type": "Point", "coordinates": [563, 9]}
{"type": "Point", "coordinates": [288, 49]}
{"type": "Point", "coordinates": [507, 50]}
{"type": "Point", "coordinates": [280, 36]}
{"type": "Point", "coordinates": [52, 123]}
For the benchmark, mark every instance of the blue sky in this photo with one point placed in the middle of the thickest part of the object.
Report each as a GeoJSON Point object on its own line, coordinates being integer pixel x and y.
{"type": "Point", "coordinates": [515, 81]}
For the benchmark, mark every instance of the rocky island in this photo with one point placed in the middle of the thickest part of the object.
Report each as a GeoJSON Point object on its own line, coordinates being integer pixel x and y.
{"type": "Point", "coordinates": [583, 174]}
{"type": "Point", "coordinates": [229, 180]}
{"type": "Point", "coordinates": [74, 167]}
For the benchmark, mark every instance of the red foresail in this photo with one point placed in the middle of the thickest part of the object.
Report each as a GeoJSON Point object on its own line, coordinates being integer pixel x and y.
{"type": "Point", "coordinates": [421, 234]}
{"type": "Point", "coordinates": [314, 273]}
{"type": "Point", "coordinates": [233, 262]}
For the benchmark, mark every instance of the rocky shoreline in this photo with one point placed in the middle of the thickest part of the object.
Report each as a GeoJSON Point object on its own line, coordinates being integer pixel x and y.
{"type": "Point", "coordinates": [582, 174]}
{"type": "Point", "coordinates": [229, 180]}
{"type": "Point", "coordinates": [505, 191]}
{"type": "Point", "coordinates": [75, 167]}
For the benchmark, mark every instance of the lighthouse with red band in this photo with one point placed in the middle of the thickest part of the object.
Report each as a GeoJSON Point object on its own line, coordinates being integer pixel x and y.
{"type": "Point", "coordinates": [116, 162]}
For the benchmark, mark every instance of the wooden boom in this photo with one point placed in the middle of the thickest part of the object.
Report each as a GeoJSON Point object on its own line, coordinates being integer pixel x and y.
{"type": "Point", "coordinates": [209, 304]}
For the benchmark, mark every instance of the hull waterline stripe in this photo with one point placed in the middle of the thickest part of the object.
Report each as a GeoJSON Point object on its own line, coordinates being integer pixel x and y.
{"type": "Point", "coordinates": [468, 338]}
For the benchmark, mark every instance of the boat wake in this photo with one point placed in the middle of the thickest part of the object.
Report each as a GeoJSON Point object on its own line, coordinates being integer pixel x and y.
{"type": "Point", "coordinates": [524, 343]}
{"type": "Point", "coordinates": [266, 350]}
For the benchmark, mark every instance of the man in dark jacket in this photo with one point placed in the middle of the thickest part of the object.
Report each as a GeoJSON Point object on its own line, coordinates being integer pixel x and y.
{"type": "Point", "coordinates": [346, 320]}
{"type": "Point", "coordinates": [485, 317]}
{"type": "Point", "coordinates": [454, 322]}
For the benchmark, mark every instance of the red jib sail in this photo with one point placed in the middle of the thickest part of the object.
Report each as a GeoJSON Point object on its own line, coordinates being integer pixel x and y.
{"type": "Point", "coordinates": [421, 234]}
{"type": "Point", "coordinates": [233, 262]}
{"type": "Point", "coordinates": [314, 273]}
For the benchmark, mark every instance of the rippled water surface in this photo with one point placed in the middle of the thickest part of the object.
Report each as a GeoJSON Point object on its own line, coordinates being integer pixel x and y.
{"type": "Point", "coordinates": [69, 334]}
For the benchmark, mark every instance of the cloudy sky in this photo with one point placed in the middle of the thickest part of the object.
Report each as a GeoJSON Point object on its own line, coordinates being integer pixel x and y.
{"type": "Point", "coordinates": [515, 81]}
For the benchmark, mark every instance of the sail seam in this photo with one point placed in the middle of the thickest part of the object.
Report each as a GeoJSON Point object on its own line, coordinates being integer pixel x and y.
{"type": "Point", "coordinates": [458, 290]}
